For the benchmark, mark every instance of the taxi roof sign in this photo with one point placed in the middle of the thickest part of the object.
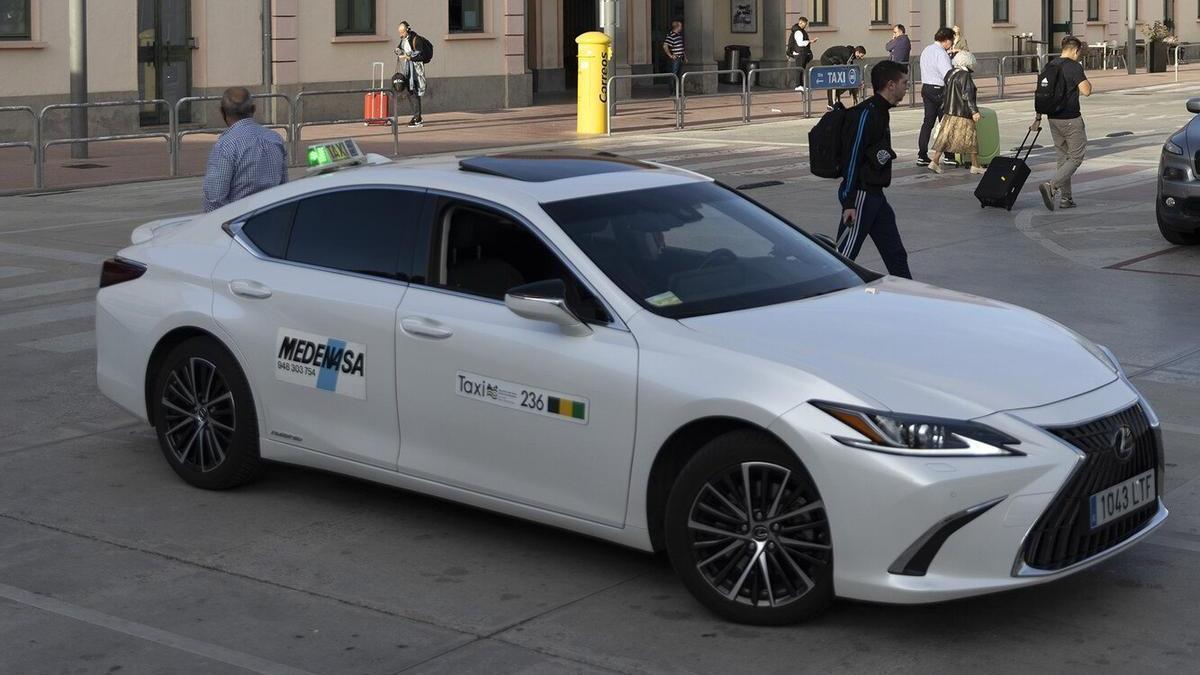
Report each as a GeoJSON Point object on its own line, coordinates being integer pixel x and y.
{"type": "Point", "coordinates": [330, 156]}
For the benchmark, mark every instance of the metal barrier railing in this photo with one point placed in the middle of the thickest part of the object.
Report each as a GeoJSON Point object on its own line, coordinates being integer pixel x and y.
{"type": "Point", "coordinates": [683, 96]}
{"type": "Point", "coordinates": [298, 123]}
{"type": "Point", "coordinates": [1003, 74]}
{"type": "Point", "coordinates": [753, 73]}
{"type": "Point", "coordinates": [33, 144]}
{"type": "Point", "coordinates": [1178, 50]}
{"type": "Point", "coordinates": [177, 136]}
{"type": "Point", "coordinates": [43, 145]}
{"type": "Point", "coordinates": [610, 108]}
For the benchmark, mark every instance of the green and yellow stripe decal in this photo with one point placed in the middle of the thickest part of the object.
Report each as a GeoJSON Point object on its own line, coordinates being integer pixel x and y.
{"type": "Point", "coordinates": [566, 407]}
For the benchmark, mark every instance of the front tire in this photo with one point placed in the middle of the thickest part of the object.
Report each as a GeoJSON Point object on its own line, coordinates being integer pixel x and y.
{"type": "Point", "coordinates": [204, 415]}
{"type": "Point", "coordinates": [746, 532]}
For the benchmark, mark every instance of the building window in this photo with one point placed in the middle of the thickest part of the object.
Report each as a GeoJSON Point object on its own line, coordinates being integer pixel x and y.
{"type": "Point", "coordinates": [999, 11]}
{"type": "Point", "coordinates": [820, 13]}
{"type": "Point", "coordinates": [466, 16]}
{"type": "Point", "coordinates": [355, 17]}
{"type": "Point", "coordinates": [15, 23]}
{"type": "Point", "coordinates": [879, 13]}
{"type": "Point", "coordinates": [1093, 10]}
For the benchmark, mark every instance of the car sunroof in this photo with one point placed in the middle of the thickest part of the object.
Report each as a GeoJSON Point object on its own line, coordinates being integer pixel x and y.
{"type": "Point", "coordinates": [540, 167]}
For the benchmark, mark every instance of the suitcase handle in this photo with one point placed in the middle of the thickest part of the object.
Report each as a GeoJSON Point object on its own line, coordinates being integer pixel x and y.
{"type": "Point", "coordinates": [1028, 148]}
{"type": "Point", "coordinates": [378, 66]}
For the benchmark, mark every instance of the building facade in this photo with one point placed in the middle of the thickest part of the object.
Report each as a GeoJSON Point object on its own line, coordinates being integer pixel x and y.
{"type": "Point", "coordinates": [489, 54]}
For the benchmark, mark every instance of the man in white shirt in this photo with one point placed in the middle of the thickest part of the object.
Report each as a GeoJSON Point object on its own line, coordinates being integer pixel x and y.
{"type": "Point", "coordinates": [799, 49]}
{"type": "Point", "coordinates": [935, 63]}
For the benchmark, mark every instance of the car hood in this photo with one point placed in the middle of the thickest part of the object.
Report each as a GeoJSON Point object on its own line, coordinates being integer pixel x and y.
{"type": "Point", "coordinates": [917, 348]}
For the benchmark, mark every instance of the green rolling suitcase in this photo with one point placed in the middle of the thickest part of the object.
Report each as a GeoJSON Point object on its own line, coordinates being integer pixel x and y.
{"type": "Point", "coordinates": [987, 133]}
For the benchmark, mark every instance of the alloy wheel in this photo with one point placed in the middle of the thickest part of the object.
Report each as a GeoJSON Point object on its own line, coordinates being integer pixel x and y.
{"type": "Point", "coordinates": [198, 408]}
{"type": "Point", "coordinates": [758, 532]}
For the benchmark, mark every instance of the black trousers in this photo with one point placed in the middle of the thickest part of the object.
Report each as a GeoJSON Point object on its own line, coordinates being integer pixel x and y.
{"type": "Point", "coordinates": [415, 100]}
{"type": "Point", "coordinates": [933, 97]}
{"type": "Point", "coordinates": [874, 217]}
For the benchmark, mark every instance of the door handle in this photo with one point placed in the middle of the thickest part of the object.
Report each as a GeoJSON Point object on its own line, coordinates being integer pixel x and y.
{"type": "Point", "coordinates": [249, 289]}
{"type": "Point", "coordinates": [425, 328]}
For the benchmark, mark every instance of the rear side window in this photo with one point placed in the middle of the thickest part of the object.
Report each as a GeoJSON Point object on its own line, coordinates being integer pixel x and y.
{"type": "Point", "coordinates": [365, 231]}
{"type": "Point", "coordinates": [269, 230]}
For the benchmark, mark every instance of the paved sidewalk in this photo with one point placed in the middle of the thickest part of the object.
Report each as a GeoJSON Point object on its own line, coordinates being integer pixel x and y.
{"type": "Point", "coordinates": [128, 161]}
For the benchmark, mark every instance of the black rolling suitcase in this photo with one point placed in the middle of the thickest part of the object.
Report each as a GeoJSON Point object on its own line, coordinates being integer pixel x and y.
{"type": "Point", "coordinates": [1005, 176]}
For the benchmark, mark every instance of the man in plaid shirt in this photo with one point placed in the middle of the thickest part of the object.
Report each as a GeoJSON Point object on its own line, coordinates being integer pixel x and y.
{"type": "Point", "coordinates": [248, 158]}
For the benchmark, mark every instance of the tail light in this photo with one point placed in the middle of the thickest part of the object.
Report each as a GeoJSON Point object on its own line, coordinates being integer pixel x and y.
{"type": "Point", "coordinates": [118, 270]}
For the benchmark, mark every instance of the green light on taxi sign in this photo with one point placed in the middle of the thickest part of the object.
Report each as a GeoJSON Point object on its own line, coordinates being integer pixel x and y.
{"type": "Point", "coordinates": [318, 155]}
{"type": "Point", "coordinates": [330, 156]}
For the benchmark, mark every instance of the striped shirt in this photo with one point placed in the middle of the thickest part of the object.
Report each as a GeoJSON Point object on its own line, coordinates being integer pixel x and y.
{"type": "Point", "coordinates": [248, 158]}
{"type": "Point", "coordinates": [674, 43]}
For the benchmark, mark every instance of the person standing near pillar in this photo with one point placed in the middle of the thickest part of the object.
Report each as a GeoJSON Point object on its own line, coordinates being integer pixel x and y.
{"type": "Point", "coordinates": [935, 64]}
{"type": "Point", "coordinates": [673, 47]}
{"type": "Point", "coordinates": [799, 47]}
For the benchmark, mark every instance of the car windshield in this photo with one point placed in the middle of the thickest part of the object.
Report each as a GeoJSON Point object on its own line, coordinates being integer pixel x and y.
{"type": "Point", "coordinates": [699, 248]}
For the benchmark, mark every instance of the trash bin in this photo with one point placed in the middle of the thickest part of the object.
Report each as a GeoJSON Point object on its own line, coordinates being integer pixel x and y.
{"type": "Point", "coordinates": [736, 58]}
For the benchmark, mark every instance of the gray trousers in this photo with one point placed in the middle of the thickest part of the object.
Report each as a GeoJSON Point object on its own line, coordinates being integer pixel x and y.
{"type": "Point", "coordinates": [1070, 139]}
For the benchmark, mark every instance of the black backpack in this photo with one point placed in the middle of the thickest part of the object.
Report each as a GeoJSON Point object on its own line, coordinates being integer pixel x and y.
{"type": "Point", "coordinates": [825, 158]}
{"type": "Point", "coordinates": [1051, 94]}
{"type": "Point", "coordinates": [426, 49]}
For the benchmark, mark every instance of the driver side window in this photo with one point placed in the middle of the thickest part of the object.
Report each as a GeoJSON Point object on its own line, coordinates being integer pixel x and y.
{"type": "Point", "coordinates": [485, 253]}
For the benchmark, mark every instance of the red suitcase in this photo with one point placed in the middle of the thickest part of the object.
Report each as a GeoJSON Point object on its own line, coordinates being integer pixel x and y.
{"type": "Point", "coordinates": [375, 105]}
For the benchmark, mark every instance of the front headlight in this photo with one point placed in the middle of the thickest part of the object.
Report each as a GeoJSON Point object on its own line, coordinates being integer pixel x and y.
{"type": "Point", "coordinates": [1172, 148]}
{"type": "Point", "coordinates": [917, 435]}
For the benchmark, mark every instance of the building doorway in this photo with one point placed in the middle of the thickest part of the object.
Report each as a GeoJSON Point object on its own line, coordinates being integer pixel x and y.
{"type": "Point", "coordinates": [578, 17]}
{"type": "Point", "coordinates": [164, 56]}
{"type": "Point", "coordinates": [662, 13]}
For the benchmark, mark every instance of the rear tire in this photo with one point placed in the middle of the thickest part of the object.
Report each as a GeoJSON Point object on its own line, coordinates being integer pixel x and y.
{"type": "Point", "coordinates": [746, 532]}
{"type": "Point", "coordinates": [1173, 236]}
{"type": "Point", "coordinates": [205, 418]}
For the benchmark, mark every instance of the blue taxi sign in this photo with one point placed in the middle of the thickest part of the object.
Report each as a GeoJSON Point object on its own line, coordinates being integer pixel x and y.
{"type": "Point", "coordinates": [835, 77]}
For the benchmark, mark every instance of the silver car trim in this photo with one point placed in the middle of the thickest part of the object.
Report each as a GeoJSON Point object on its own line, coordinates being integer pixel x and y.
{"type": "Point", "coordinates": [958, 520]}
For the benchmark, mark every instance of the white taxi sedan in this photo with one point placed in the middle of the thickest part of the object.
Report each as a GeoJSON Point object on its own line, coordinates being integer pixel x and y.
{"type": "Point", "coordinates": [639, 354]}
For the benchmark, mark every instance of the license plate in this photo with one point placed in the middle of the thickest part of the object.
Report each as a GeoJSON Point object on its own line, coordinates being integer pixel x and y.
{"type": "Point", "coordinates": [1122, 498]}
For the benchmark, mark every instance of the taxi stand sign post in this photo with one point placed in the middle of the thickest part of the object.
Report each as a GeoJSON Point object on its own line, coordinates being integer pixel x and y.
{"type": "Point", "coordinates": [595, 55]}
{"type": "Point", "coordinates": [823, 78]}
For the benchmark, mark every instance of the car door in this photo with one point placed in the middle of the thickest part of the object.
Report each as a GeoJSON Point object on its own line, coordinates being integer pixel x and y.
{"type": "Point", "coordinates": [310, 299]}
{"type": "Point", "coordinates": [506, 406]}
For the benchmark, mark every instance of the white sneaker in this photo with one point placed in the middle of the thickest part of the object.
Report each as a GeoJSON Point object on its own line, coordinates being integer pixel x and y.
{"type": "Point", "coordinates": [800, 88]}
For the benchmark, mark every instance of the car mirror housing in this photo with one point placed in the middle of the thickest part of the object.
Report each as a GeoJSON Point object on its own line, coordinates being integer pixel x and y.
{"type": "Point", "coordinates": [1193, 105]}
{"type": "Point", "coordinates": [546, 301]}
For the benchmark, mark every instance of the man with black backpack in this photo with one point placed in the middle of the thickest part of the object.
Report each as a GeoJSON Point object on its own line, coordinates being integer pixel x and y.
{"type": "Point", "coordinates": [1057, 97]}
{"type": "Point", "coordinates": [412, 54]}
{"type": "Point", "coordinates": [799, 47]}
{"type": "Point", "coordinates": [861, 141]}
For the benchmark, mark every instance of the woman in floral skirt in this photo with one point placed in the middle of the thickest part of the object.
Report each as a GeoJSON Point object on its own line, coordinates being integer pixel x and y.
{"type": "Point", "coordinates": [960, 112]}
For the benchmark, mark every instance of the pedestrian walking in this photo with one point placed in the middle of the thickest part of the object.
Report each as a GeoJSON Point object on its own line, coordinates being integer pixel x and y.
{"type": "Point", "coordinates": [799, 47]}
{"type": "Point", "coordinates": [1057, 96]}
{"type": "Point", "coordinates": [935, 65]}
{"type": "Point", "coordinates": [960, 42]}
{"type": "Point", "coordinates": [899, 48]}
{"type": "Point", "coordinates": [840, 55]}
{"type": "Point", "coordinates": [673, 47]}
{"type": "Point", "coordinates": [867, 132]}
{"type": "Point", "coordinates": [413, 52]}
{"type": "Point", "coordinates": [960, 113]}
{"type": "Point", "coordinates": [247, 158]}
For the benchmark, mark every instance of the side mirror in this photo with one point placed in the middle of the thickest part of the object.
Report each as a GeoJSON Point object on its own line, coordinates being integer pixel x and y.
{"type": "Point", "coordinates": [546, 301]}
{"type": "Point", "coordinates": [1193, 105]}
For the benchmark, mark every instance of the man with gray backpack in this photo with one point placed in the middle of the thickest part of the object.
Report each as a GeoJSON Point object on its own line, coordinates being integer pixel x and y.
{"type": "Point", "coordinates": [1057, 97]}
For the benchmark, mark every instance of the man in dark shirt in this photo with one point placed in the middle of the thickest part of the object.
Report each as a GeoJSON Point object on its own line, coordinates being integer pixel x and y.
{"type": "Point", "coordinates": [840, 56]}
{"type": "Point", "coordinates": [673, 47]}
{"type": "Point", "coordinates": [867, 134]}
{"type": "Point", "coordinates": [899, 48]}
{"type": "Point", "coordinates": [1066, 126]}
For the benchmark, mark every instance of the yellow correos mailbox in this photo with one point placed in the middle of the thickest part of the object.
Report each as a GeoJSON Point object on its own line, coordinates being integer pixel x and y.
{"type": "Point", "coordinates": [595, 53]}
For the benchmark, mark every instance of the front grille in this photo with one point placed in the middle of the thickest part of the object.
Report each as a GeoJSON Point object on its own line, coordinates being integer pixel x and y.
{"type": "Point", "coordinates": [1063, 535]}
